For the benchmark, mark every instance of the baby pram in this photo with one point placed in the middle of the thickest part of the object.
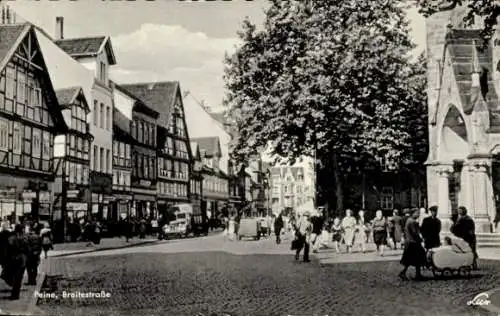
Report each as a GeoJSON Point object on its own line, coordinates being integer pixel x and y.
{"type": "Point", "coordinates": [455, 257]}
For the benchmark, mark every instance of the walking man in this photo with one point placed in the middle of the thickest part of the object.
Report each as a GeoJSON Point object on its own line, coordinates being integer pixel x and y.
{"type": "Point", "coordinates": [278, 226]}
{"type": "Point", "coordinates": [33, 255]}
{"type": "Point", "coordinates": [304, 230]}
{"type": "Point", "coordinates": [16, 262]}
{"type": "Point", "coordinates": [431, 227]}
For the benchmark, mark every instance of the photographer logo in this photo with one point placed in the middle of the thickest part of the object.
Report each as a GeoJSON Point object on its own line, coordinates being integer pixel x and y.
{"type": "Point", "coordinates": [482, 299]}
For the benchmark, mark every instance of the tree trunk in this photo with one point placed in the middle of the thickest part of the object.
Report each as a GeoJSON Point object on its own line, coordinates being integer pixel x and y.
{"type": "Point", "coordinates": [339, 193]}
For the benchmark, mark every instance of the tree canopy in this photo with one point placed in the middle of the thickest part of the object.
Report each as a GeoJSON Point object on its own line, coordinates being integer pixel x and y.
{"type": "Point", "coordinates": [334, 77]}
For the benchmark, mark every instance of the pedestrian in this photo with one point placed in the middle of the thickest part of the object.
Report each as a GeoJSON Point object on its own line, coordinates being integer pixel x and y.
{"type": "Point", "coordinates": [336, 233]}
{"type": "Point", "coordinates": [269, 224]}
{"type": "Point", "coordinates": [395, 228]}
{"type": "Point", "coordinates": [431, 228]}
{"type": "Point", "coordinates": [96, 233]}
{"type": "Point", "coordinates": [17, 249]}
{"type": "Point", "coordinates": [278, 225]}
{"type": "Point", "coordinates": [361, 228]}
{"type": "Point", "coordinates": [33, 255]}
{"type": "Point", "coordinates": [379, 228]}
{"type": "Point", "coordinates": [317, 223]}
{"type": "Point", "coordinates": [303, 233]}
{"type": "Point", "coordinates": [142, 228]}
{"type": "Point", "coordinates": [348, 226]}
{"type": "Point", "coordinates": [423, 214]}
{"type": "Point", "coordinates": [413, 253]}
{"type": "Point", "coordinates": [404, 219]}
{"type": "Point", "coordinates": [47, 239]}
{"type": "Point", "coordinates": [231, 227]}
{"type": "Point", "coordinates": [465, 228]}
{"type": "Point", "coordinates": [5, 233]}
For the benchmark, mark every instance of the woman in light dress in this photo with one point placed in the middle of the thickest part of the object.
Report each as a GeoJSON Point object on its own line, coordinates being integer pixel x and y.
{"type": "Point", "coordinates": [360, 236]}
{"type": "Point", "coordinates": [379, 228]}
{"type": "Point", "coordinates": [232, 227]}
{"type": "Point", "coordinates": [349, 227]}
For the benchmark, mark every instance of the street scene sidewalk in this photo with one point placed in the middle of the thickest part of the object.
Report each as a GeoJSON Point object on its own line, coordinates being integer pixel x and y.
{"type": "Point", "coordinates": [106, 244]}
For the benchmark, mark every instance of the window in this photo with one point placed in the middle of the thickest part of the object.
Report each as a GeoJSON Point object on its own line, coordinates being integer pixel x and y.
{"type": "Point", "coordinates": [101, 117]}
{"type": "Point", "coordinates": [101, 160]}
{"type": "Point", "coordinates": [96, 113]}
{"type": "Point", "coordinates": [72, 145]}
{"type": "Point", "coordinates": [47, 153]}
{"type": "Point", "coordinates": [387, 198]}
{"type": "Point", "coordinates": [21, 89]}
{"type": "Point", "coordinates": [146, 133]}
{"type": "Point", "coordinates": [108, 118]}
{"type": "Point", "coordinates": [102, 72]}
{"type": "Point", "coordinates": [141, 130]}
{"type": "Point", "coordinates": [10, 83]}
{"type": "Point", "coordinates": [146, 167]}
{"type": "Point", "coordinates": [108, 160]}
{"type": "Point", "coordinates": [79, 174]}
{"type": "Point", "coordinates": [276, 189]}
{"type": "Point", "coordinates": [85, 149]}
{"type": "Point", "coordinates": [37, 143]}
{"type": "Point", "coordinates": [96, 158]}
{"type": "Point", "coordinates": [17, 138]}
{"type": "Point", "coordinates": [170, 146]}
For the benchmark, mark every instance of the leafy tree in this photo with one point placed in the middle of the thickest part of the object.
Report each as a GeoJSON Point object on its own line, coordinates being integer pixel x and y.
{"type": "Point", "coordinates": [332, 77]}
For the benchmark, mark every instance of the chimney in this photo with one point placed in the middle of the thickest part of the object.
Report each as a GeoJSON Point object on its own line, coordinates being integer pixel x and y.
{"type": "Point", "coordinates": [59, 28]}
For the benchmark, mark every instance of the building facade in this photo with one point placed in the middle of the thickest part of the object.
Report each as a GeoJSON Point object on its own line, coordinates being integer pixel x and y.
{"type": "Point", "coordinates": [174, 158]}
{"type": "Point", "coordinates": [96, 54]}
{"type": "Point", "coordinates": [122, 158]}
{"type": "Point", "coordinates": [196, 180]}
{"type": "Point", "coordinates": [464, 119]}
{"type": "Point", "coordinates": [30, 118]}
{"type": "Point", "coordinates": [215, 181]}
{"type": "Point", "coordinates": [72, 195]}
{"type": "Point", "coordinates": [144, 164]}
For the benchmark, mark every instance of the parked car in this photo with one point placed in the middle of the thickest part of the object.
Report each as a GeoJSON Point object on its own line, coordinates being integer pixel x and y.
{"type": "Point", "coordinates": [249, 227]}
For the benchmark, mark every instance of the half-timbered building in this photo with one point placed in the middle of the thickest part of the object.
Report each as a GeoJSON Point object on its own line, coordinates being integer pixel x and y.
{"type": "Point", "coordinates": [72, 156]}
{"type": "Point", "coordinates": [196, 181]}
{"type": "Point", "coordinates": [144, 173]}
{"type": "Point", "coordinates": [30, 118]}
{"type": "Point", "coordinates": [173, 147]}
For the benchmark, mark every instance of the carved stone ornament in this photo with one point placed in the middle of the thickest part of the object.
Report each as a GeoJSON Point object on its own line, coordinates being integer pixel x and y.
{"type": "Point", "coordinates": [444, 170]}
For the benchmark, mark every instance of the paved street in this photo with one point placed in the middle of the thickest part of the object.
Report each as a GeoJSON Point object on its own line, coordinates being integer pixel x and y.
{"type": "Point", "coordinates": [207, 275]}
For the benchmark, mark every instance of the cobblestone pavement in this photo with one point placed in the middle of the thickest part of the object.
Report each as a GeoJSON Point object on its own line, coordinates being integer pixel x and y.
{"type": "Point", "coordinates": [166, 279]}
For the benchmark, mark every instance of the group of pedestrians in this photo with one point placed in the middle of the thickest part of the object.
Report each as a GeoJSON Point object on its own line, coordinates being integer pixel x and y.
{"type": "Point", "coordinates": [416, 231]}
{"type": "Point", "coordinates": [21, 246]}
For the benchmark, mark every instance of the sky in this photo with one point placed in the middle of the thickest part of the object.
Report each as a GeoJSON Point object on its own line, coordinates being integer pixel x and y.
{"type": "Point", "coordinates": [164, 39]}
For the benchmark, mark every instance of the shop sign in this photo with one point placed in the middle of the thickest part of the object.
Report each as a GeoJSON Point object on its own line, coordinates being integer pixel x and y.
{"type": "Point", "coordinates": [8, 194]}
{"type": "Point", "coordinates": [71, 194]}
{"type": "Point", "coordinates": [28, 195]}
{"type": "Point", "coordinates": [76, 206]}
{"type": "Point", "coordinates": [145, 183]}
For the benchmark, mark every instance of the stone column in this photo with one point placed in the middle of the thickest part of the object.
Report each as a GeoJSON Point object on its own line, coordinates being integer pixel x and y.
{"type": "Point", "coordinates": [481, 207]}
{"type": "Point", "coordinates": [444, 206]}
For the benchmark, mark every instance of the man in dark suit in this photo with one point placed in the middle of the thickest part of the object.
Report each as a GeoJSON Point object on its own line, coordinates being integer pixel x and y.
{"type": "Point", "coordinates": [17, 249]}
{"type": "Point", "coordinates": [33, 256]}
{"type": "Point", "coordinates": [431, 227]}
{"type": "Point", "coordinates": [465, 228]}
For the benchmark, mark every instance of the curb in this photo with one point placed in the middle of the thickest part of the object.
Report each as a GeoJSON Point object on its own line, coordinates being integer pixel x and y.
{"type": "Point", "coordinates": [77, 252]}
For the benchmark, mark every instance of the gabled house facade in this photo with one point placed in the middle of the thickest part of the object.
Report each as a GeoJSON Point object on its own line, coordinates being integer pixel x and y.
{"type": "Point", "coordinates": [215, 181]}
{"type": "Point", "coordinates": [144, 164]}
{"type": "Point", "coordinates": [97, 55]}
{"type": "Point", "coordinates": [30, 118]}
{"type": "Point", "coordinates": [174, 158]}
{"type": "Point", "coordinates": [72, 156]}
{"type": "Point", "coordinates": [196, 180]}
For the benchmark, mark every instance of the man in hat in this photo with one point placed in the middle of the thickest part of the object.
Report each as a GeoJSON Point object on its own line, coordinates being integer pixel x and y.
{"type": "Point", "coordinates": [33, 256]}
{"type": "Point", "coordinates": [304, 230]}
{"type": "Point", "coordinates": [16, 260]}
{"type": "Point", "coordinates": [430, 229]}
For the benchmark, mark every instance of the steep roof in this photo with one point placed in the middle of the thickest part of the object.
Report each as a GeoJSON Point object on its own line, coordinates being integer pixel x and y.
{"type": "Point", "coordinates": [139, 103]}
{"type": "Point", "coordinates": [160, 96]}
{"type": "Point", "coordinates": [87, 47]}
{"type": "Point", "coordinates": [11, 37]}
{"type": "Point", "coordinates": [195, 150]}
{"type": "Point", "coordinates": [10, 34]}
{"type": "Point", "coordinates": [209, 146]}
{"type": "Point", "coordinates": [67, 96]}
{"type": "Point", "coordinates": [464, 46]}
